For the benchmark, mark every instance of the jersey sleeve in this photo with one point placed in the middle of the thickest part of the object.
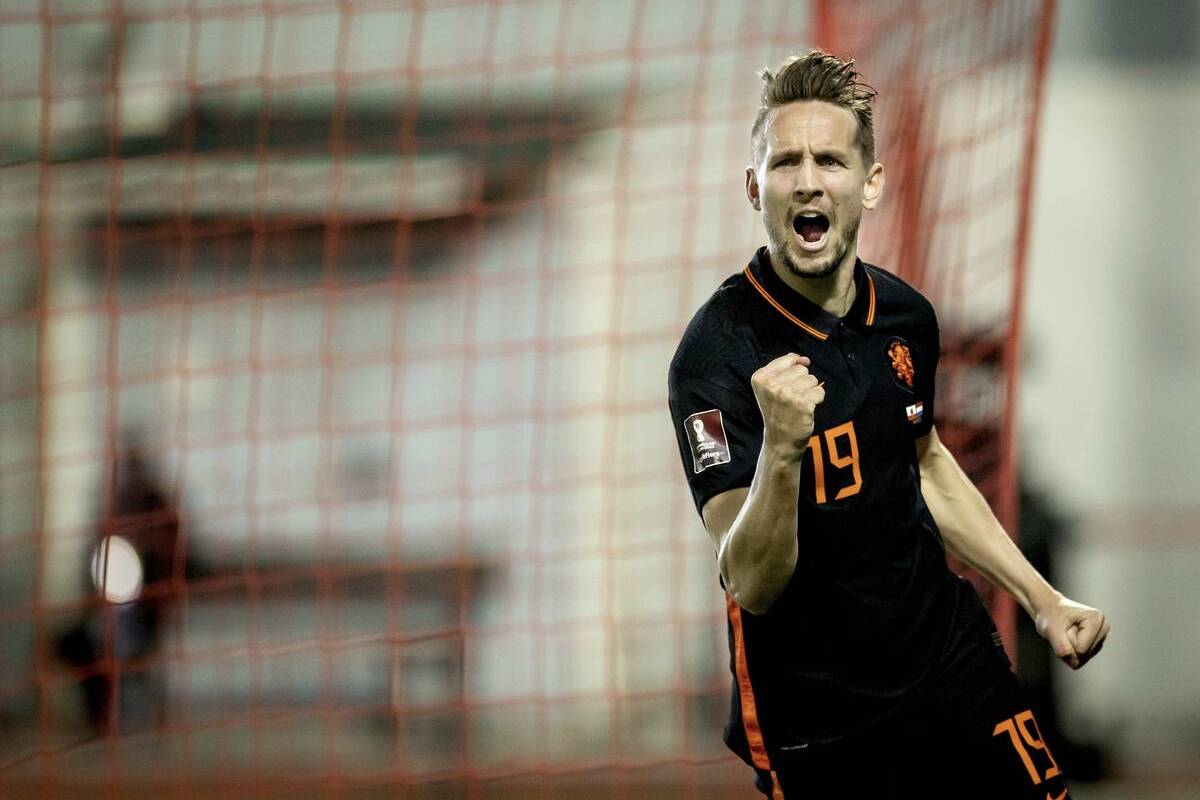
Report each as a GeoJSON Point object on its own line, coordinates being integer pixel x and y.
{"type": "Point", "coordinates": [719, 432]}
{"type": "Point", "coordinates": [925, 372]}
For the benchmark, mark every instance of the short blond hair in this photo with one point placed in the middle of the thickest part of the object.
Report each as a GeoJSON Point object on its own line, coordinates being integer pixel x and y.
{"type": "Point", "coordinates": [816, 75]}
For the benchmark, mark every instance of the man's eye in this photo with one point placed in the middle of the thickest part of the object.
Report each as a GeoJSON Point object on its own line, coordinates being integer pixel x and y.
{"type": "Point", "coordinates": [828, 161]}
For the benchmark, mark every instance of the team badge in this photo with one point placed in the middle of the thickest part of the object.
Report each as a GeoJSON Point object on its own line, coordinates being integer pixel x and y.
{"type": "Point", "coordinates": [706, 433]}
{"type": "Point", "coordinates": [902, 364]}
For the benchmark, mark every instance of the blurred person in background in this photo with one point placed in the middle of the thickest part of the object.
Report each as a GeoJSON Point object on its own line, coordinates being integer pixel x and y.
{"type": "Point", "coordinates": [130, 591]}
{"type": "Point", "coordinates": [802, 395]}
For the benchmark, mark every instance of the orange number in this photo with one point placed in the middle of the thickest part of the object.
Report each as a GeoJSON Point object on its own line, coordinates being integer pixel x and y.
{"type": "Point", "coordinates": [846, 429]}
{"type": "Point", "coordinates": [1009, 727]}
{"type": "Point", "coordinates": [814, 444]}
{"type": "Point", "coordinates": [841, 462]}
{"type": "Point", "coordinates": [1020, 723]}
{"type": "Point", "coordinates": [1035, 741]}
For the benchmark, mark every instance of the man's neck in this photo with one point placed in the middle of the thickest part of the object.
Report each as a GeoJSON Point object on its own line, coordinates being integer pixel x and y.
{"type": "Point", "coordinates": [835, 293]}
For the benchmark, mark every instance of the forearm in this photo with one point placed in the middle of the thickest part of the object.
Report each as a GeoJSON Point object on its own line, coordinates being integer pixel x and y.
{"type": "Point", "coordinates": [758, 555]}
{"type": "Point", "coordinates": [973, 534]}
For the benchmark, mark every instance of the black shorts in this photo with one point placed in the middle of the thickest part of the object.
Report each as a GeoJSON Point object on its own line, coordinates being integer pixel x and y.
{"type": "Point", "coordinates": [939, 746]}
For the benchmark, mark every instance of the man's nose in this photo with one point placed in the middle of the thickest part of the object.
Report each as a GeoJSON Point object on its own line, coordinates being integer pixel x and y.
{"type": "Point", "coordinates": [808, 181]}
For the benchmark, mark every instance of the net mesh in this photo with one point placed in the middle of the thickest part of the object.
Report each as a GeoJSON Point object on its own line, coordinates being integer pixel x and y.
{"type": "Point", "coordinates": [351, 320]}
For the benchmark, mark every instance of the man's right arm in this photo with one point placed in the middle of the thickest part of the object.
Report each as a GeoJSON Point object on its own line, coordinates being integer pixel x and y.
{"type": "Point", "coordinates": [754, 529]}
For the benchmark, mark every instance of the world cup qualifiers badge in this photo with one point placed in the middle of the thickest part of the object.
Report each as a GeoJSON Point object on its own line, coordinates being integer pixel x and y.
{"type": "Point", "coordinates": [706, 433]}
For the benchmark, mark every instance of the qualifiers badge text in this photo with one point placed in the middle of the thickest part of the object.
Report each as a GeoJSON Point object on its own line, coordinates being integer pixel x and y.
{"type": "Point", "coordinates": [706, 433]}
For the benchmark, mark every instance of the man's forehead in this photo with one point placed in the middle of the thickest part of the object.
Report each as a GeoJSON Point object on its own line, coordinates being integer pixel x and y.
{"type": "Point", "coordinates": [810, 122]}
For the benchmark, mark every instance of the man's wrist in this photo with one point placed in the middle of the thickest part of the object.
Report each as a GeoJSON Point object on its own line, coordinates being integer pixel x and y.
{"type": "Point", "coordinates": [783, 456]}
{"type": "Point", "coordinates": [1042, 600]}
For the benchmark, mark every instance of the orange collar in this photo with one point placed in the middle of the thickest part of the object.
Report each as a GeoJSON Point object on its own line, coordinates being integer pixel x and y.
{"type": "Point", "coordinates": [804, 313]}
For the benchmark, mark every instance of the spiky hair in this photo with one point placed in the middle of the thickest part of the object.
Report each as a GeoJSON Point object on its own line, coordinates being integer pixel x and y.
{"type": "Point", "coordinates": [816, 75]}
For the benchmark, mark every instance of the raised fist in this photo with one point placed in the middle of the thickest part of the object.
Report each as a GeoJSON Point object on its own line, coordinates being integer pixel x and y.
{"type": "Point", "coordinates": [788, 395]}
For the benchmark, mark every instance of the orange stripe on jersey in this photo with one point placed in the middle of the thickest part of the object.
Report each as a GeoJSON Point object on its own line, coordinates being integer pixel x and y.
{"type": "Point", "coordinates": [776, 789]}
{"type": "Point", "coordinates": [758, 750]}
{"type": "Point", "coordinates": [766, 296]}
{"type": "Point", "coordinates": [871, 307]}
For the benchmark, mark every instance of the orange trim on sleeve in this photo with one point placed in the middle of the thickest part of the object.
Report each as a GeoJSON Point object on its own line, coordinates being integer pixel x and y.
{"type": "Point", "coordinates": [871, 307]}
{"type": "Point", "coordinates": [766, 296]}
{"type": "Point", "coordinates": [758, 750]}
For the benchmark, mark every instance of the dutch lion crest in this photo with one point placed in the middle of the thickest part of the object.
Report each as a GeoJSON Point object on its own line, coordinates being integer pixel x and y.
{"type": "Point", "coordinates": [902, 363]}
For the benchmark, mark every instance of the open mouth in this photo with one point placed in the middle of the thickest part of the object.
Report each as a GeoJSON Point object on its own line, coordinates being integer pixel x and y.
{"type": "Point", "coordinates": [811, 226]}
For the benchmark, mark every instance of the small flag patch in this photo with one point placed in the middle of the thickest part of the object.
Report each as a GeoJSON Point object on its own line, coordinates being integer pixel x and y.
{"type": "Point", "coordinates": [915, 412]}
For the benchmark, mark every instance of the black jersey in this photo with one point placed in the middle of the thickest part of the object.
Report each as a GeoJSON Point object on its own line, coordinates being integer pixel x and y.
{"type": "Point", "coordinates": [869, 608]}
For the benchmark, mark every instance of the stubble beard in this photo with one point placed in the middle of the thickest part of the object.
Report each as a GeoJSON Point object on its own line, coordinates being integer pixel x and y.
{"type": "Point", "coordinates": [826, 267]}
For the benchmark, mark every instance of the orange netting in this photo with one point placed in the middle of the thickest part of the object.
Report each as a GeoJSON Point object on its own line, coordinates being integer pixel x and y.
{"type": "Point", "coordinates": [351, 321]}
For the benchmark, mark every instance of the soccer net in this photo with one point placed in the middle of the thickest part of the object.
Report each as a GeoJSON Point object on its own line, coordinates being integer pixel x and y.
{"type": "Point", "coordinates": [334, 449]}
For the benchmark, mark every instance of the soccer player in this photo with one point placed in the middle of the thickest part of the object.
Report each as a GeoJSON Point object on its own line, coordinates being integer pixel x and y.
{"type": "Point", "coordinates": [802, 395]}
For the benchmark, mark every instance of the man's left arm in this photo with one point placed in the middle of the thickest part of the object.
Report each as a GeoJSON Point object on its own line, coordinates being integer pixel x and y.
{"type": "Point", "coordinates": [972, 533]}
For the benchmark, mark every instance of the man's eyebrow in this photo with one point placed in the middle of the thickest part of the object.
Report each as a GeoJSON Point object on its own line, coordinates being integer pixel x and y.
{"type": "Point", "coordinates": [817, 150]}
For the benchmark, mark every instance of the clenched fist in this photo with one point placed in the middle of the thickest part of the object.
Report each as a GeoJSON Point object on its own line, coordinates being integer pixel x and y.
{"type": "Point", "coordinates": [1075, 631]}
{"type": "Point", "coordinates": [788, 395]}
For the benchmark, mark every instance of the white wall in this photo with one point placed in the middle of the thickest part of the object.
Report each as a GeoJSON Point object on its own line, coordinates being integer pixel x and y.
{"type": "Point", "coordinates": [1111, 381]}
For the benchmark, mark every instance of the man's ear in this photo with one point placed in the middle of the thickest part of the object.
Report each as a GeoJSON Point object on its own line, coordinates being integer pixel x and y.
{"type": "Point", "coordinates": [873, 187]}
{"type": "Point", "coordinates": [752, 188]}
